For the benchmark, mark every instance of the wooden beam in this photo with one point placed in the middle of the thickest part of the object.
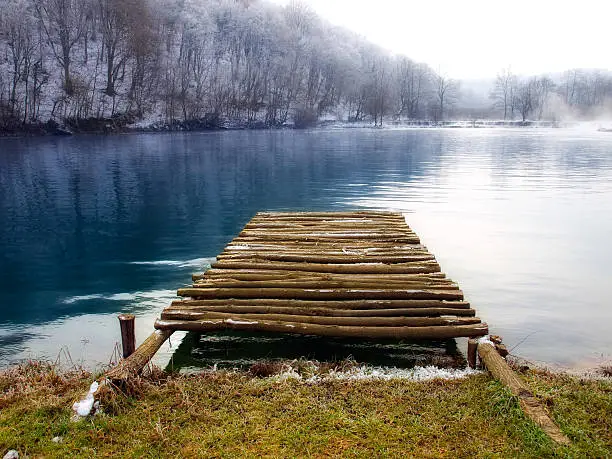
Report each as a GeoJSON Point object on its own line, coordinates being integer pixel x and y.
{"type": "Point", "coordinates": [326, 258]}
{"type": "Point", "coordinates": [357, 268]}
{"type": "Point", "coordinates": [306, 283]}
{"type": "Point", "coordinates": [428, 332]}
{"type": "Point", "coordinates": [328, 304]}
{"type": "Point", "coordinates": [529, 403]}
{"type": "Point", "coordinates": [264, 274]}
{"type": "Point", "coordinates": [377, 321]}
{"type": "Point", "coordinates": [323, 311]}
{"type": "Point", "coordinates": [134, 364]}
{"type": "Point", "coordinates": [322, 294]}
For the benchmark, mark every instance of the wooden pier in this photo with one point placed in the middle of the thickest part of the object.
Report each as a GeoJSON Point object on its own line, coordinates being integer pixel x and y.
{"type": "Point", "coordinates": [342, 274]}
{"type": "Point", "coordinates": [346, 274]}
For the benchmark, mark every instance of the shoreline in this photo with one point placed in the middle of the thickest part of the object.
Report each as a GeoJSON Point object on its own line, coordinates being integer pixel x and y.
{"type": "Point", "coordinates": [113, 126]}
{"type": "Point", "coordinates": [602, 371]}
{"type": "Point", "coordinates": [253, 413]}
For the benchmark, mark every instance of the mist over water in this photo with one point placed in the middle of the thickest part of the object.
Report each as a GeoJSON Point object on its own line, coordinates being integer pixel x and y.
{"type": "Point", "coordinates": [94, 226]}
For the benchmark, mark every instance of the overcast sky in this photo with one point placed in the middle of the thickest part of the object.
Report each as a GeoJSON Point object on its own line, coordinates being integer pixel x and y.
{"type": "Point", "coordinates": [477, 38]}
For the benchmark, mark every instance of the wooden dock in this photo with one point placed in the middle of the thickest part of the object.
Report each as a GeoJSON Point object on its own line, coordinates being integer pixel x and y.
{"type": "Point", "coordinates": [353, 274]}
{"type": "Point", "coordinates": [347, 274]}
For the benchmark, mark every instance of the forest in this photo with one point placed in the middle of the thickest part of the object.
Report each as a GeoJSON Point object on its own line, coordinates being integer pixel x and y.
{"type": "Point", "coordinates": [192, 64]}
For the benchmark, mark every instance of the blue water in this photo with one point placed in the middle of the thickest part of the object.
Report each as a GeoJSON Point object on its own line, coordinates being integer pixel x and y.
{"type": "Point", "coordinates": [92, 226]}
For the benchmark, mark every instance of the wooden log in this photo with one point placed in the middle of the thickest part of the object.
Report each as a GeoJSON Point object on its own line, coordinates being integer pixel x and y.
{"type": "Point", "coordinates": [336, 231]}
{"type": "Point", "coordinates": [268, 274]}
{"type": "Point", "coordinates": [317, 240]}
{"type": "Point", "coordinates": [248, 275]}
{"type": "Point", "coordinates": [363, 268]}
{"type": "Point", "coordinates": [354, 244]}
{"type": "Point", "coordinates": [328, 237]}
{"type": "Point", "coordinates": [322, 311]}
{"type": "Point", "coordinates": [275, 223]}
{"type": "Point", "coordinates": [328, 222]}
{"type": "Point", "coordinates": [472, 351]}
{"type": "Point", "coordinates": [331, 258]}
{"type": "Point", "coordinates": [344, 237]}
{"type": "Point", "coordinates": [329, 218]}
{"type": "Point", "coordinates": [305, 283]}
{"type": "Point", "coordinates": [351, 225]}
{"type": "Point", "coordinates": [324, 284]}
{"type": "Point", "coordinates": [330, 215]}
{"type": "Point", "coordinates": [134, 364]}
{"type": "Point", "coordinates": [128, 334]}
{"type": "Point", "coordinates": [319, 249]}
{"type": "Point", "coordinates": [529, 403]}
{"type": "Point", "coordinates": [327, 247]}
{"type": "Point", "coordinates": [345, 304]}
{"type": "Point", "coordinates": [430, 332]}
{"type": "Point", "coordinates": [372, 321]}
{"type": "Point", "coordinates": [269, 270]}
{"type": "Point", "coordinates": [321, 294]}
{"type": "Point", "coordinates": [331, 229]}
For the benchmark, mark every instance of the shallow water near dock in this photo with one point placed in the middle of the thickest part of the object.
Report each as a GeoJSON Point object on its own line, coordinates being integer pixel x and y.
{"type": "Point", "coordinates": [93, 226]}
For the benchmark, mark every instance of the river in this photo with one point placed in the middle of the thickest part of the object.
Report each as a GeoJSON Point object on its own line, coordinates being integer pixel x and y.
{"type": "Point", "coordinates": [96, 225]}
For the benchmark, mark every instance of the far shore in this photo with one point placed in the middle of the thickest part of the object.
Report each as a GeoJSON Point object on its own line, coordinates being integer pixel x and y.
{"type": "Point", "coordinates": [106, 126]}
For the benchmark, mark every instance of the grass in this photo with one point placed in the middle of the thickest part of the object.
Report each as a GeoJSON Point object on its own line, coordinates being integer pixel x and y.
{"type": "Point", "coordinates": [228, 414]}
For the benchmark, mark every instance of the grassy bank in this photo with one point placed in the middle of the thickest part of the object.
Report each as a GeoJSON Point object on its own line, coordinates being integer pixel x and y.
{"type": "Point", "coordinates": [237, 414]}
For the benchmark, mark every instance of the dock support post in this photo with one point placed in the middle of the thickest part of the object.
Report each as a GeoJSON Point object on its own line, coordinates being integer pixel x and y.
{"type": "Point", "coordinates": [128, 335]}
{"type": "Point", "coordinates": [126, 368]}
{"type": "Point", "coordinates": [472, 351]}
{"type": "Point", "coordinates": [134, 364]}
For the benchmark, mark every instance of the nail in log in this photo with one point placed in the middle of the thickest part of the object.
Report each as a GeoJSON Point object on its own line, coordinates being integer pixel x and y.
{"type": "Point", "coordinates": [128, 336]}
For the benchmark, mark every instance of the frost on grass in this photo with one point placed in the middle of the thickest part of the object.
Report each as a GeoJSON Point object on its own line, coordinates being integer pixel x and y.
{"type": "Point", "coordinates": [415, 374]}
{"type": "Point", "coordinates": [359, 373]}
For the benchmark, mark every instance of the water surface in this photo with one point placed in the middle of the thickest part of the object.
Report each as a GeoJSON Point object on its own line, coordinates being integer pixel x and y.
{"type": "Point", "coordinates": [93, 226]}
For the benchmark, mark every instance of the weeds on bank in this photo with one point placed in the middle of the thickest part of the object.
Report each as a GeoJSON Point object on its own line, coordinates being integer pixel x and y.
{"type": "Point", "coordinates": [227, 413]}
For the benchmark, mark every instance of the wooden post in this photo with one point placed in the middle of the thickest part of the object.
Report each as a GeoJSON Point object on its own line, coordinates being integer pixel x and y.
{"type": "Point", "coordinates": [531, 406]}
{"type": "Point", "coordinates": [472, 351]}
{"type": "Point", "coordinates": [134, 364]}
{"type": "Point", "coordinates": [128, 335]}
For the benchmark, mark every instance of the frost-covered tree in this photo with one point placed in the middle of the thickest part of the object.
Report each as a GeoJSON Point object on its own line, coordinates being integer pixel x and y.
{"type": "Point", "coordinates": [446, 91]}
{"type": "Point", "coordinates": [63, 22]}
{"type": "Point", "coordinates": [503, 92]}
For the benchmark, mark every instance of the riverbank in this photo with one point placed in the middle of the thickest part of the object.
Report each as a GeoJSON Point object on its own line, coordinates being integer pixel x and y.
{"type": "Point", "coordinates": [220, 413]}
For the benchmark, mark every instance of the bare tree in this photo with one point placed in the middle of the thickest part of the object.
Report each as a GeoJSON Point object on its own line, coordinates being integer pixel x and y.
{"type": "Point", "coordinates": [542, 88]}
{"type": "Point", "coordinates": [502, 93]}
{"type": "Point", "coordinates": [412, 85]}
{"type": "Point", "coordinates": [63, 22]}
{"type": "Point", "coordinates": [525, 97]}
{"type": "Point", "coordinates": [447, 92]}
{"type": "Point", "coordinates": [118, 18]}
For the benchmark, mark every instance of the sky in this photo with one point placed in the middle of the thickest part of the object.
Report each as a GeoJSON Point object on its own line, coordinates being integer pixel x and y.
{"type": "Point", "coordinates": [473, 39]}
